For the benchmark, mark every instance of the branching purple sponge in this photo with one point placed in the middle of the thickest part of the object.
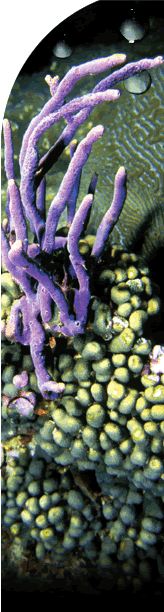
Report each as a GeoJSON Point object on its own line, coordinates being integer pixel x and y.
{"type": "Point", "coordinates": [43, 269]}
{"type": "Point", "coordinates": [112, 215]}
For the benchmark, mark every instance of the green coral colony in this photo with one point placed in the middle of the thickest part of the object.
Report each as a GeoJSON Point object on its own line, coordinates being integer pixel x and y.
{"type": "Point", "coordinates": [107, 428]}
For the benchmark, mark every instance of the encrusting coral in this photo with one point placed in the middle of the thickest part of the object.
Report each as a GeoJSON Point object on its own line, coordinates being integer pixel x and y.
{"type": "Point", "coordinates": [90, 400]}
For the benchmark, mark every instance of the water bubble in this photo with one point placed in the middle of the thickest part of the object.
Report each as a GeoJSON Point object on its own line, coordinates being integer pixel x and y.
{"type": "Point", "coordinates": [138, 83]}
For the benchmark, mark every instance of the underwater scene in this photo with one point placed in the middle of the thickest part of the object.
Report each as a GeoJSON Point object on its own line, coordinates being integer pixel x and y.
{"type": "Point", "coordinates": [82, 312]}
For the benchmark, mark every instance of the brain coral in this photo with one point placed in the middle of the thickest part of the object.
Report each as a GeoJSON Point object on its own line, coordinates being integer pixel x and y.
{"type": "Point", "coordinates": [134, 133]}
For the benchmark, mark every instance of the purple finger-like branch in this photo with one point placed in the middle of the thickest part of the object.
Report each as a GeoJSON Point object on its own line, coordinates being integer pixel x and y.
{"type": "Point", "coordinates": [5, 249]}
{"type": "Point", "coordinates": [19, 275]}
{"type": "Point", "coordinates": [112, 215]}
{"type": "Point", "coordinates": [47, 109]}
{"type": "Point", "coordinates": [9, 161]}
{"type": "Point", "coordinates": [44, 300]}
{"type": "Point", "coordinates": [28, 193]}
{"type": "Point", "coordinates": [30, 165]}
{"type": "Point", "coordinates": [47, 161]}
{"type": "Point", "coordinates": [21, 259]}
{"type": "Point", "coordinates": [17, 213]}
{"type": "Point", "coordinates": [88, 100]}
{"type": "Point", "coordinates": [9, 166]}
{"type": "Point", "coordinates": [79, 158]}
{"type": "Point", "coordinates": [73, 75]}
{"type": "Point", "coordinates": [49, 389]}
{"type": "Point", "coordinates": [128, 71]}
{"type": "Point", "coordinates": [33, 334]}
{"type": "Point", "coordinates": [91, 67]}
{"type": "Point", "coordinates": [71, 202]}
{"type": "Point", "coordinates": [82, 296]}
{"type": "Point", "coordinates": [75, 231]}
{"type": "Point", "coordinates": [9, 224]}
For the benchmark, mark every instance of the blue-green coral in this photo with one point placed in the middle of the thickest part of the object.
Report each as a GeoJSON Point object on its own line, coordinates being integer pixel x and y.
{"type": "Point", "coordinates": [95, 481]}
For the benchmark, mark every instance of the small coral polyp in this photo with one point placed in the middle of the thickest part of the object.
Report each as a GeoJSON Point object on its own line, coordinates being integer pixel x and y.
{"type": "Point", "coordinates": [36, 267]}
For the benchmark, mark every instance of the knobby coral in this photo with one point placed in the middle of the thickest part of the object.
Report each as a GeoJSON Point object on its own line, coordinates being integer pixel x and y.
{"type": "Point", "coordinates": [37, 268]}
